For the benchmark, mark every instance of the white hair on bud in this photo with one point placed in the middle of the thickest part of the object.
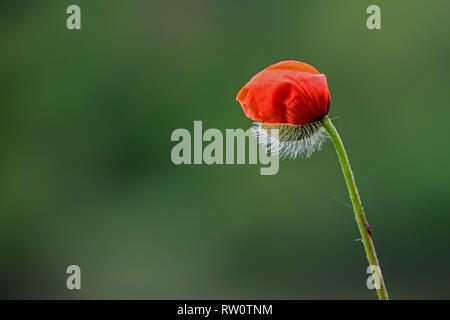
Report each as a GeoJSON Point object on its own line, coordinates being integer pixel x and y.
{"type": "Point", "coordinates": [292, 141]}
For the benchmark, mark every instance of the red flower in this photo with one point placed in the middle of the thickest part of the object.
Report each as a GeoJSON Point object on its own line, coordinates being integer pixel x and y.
{"type": "Point", "coordinates": [289, 92]}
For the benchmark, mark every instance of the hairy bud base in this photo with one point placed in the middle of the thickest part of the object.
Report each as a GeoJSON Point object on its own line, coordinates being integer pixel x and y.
{"type": "Point", "coordinates": [292, 141]}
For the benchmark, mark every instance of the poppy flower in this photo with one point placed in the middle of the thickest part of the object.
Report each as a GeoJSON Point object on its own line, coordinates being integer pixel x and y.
{"type": "Point", "coordinates": [289, 102]}
{"type": "Point", "coordinates": [290, 96]}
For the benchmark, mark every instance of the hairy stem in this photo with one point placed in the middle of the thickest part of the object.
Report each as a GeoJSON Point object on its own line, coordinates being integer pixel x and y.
{"type": "Point", "coordinates": [358, 208]}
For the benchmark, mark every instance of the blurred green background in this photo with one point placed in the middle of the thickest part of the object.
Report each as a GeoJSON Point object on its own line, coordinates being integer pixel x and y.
{"type": "Point", "coordinates": [87, 178]}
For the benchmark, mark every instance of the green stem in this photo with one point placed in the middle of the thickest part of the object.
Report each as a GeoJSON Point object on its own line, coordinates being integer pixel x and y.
{"type": "Point", "coordinates": [357, 206]}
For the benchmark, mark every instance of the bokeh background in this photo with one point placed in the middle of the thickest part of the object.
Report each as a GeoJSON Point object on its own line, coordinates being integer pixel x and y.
{"type": "Point", "coordinates": [87, 179]}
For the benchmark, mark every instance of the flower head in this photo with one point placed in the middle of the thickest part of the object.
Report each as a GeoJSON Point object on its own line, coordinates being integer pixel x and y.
{"type": "Point", "coordinates": [290, 96]}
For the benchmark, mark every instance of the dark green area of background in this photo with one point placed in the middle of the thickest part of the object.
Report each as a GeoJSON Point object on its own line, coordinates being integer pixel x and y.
{"type": "Point", "coordinates": [86, 176]}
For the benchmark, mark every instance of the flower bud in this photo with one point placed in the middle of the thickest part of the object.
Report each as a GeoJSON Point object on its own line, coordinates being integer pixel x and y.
{"type": "Point", "coordinates": [290, 96]}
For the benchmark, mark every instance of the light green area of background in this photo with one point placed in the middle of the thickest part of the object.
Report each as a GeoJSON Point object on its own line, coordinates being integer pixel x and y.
{"type": "Point", "coordinates": [86, 176]}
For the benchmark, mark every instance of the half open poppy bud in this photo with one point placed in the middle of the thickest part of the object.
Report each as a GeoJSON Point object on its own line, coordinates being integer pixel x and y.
{"type": "Point", "coordinates": [290, 96]}
{"type": "Point", "coordinates": [290, 102]}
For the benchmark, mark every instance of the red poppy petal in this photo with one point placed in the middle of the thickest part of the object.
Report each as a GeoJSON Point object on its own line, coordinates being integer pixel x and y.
{"type": "Point", "coordinates": [294, 65]}
{"type": "Point", "coordinates": [281, 95]}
